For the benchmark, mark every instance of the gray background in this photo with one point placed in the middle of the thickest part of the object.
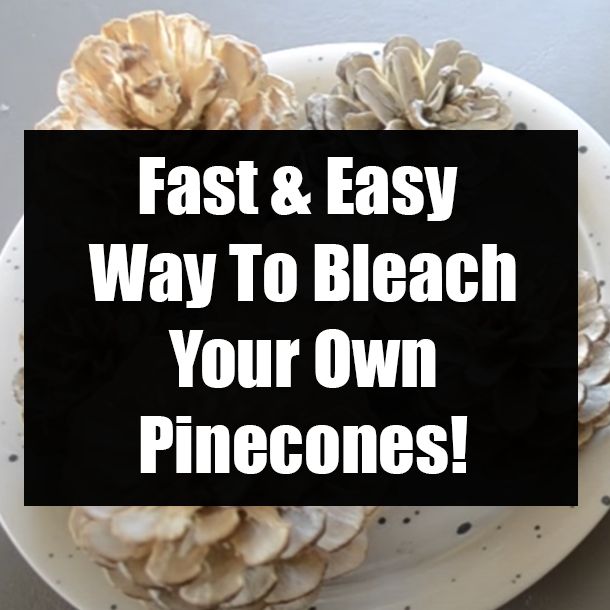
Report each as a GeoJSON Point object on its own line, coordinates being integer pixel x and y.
{"type": "Point", "coordinates": [562, 46]}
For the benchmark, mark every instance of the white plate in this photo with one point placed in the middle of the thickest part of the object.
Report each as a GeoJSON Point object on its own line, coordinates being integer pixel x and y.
{"type": "Point", "coordinates": [418, 560]}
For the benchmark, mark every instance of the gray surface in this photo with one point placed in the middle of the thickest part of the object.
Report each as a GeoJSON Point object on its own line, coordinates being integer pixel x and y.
{"type": "Point", "coordinates": [562, 46]}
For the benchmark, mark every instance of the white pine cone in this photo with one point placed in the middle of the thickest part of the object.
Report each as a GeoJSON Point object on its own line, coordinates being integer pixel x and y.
{"type": "Point", "coordinates": [412, 89]}
{"type": "Point", "coordinates": [593, 359]}
{"type": "Point", "coordinates": [152, 71]}
{"type": "Point", "coordinates": [19, 380]}
{"type": "Point", "coordinates": [241, 557]}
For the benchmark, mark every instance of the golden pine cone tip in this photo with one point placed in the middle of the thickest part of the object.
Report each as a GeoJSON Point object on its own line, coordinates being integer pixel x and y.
{"type": "Point", "coordinates": [157, 71]}
{"type": "Point", "coordinates": [593, 359]}
{"type": "Point", "coordinates": [410, 89]}
{"type": "Point", "coordinates": [255, 557]}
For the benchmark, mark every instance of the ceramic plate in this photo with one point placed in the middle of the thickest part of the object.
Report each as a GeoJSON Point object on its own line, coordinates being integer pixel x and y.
{"type": "Point", "coordinates": [421, 558]}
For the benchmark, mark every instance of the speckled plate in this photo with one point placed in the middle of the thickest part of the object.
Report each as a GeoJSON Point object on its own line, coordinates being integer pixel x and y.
{"type": "Point", "coordinates": [421, 558]}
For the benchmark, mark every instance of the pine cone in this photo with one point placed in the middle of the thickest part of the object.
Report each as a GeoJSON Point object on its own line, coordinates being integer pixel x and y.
{"type": "Point", "coordinates": [204, 557]}
{"type": "Point", "coordinates": [19, 381]}
{"type": "Point", "coordinates": [410, 90]}
{"type": "Point", "coordinates": [593, 359]}
{"type": "Point", "coordinates": [153, 71]}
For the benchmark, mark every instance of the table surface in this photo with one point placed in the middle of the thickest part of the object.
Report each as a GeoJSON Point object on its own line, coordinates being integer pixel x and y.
{"type": "Point", "coordinates": [560, 45]}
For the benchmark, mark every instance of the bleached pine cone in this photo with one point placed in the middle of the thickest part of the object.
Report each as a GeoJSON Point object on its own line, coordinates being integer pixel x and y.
{"type": "Point", "coordinates": [152, 71]}
{"type": "Point", "coordinates": [411, 89]}
{"type": "Point", "coordinates": [19, 380]}
{"type": "Point", "coordinates": [593, 359]}
{"type": "Point", "coordinates": [241, 557]}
